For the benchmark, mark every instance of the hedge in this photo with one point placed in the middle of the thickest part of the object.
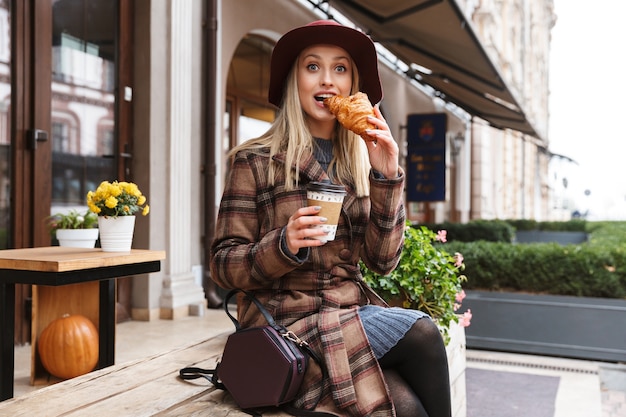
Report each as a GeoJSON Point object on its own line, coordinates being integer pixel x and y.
{"type": "Point", "coordinates": [568, 226]}
{"type": "Point", "coordinates": [504, 230]}
{"type": "Point", "coordinates": [593, 269]}
{"type": "Point", "coordinates": [488, 230]}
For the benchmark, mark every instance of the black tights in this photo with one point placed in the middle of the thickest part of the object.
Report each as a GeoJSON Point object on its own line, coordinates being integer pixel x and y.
{"type": "Point", "coordinates": [416, 371]}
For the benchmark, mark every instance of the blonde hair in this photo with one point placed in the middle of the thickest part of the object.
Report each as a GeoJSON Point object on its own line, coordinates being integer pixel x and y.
{"type": "Point", "coordinates": [290, 134]}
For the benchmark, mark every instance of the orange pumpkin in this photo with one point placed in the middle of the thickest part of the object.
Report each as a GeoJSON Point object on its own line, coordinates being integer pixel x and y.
{"type": "Point", "coordinates": [68, 346]}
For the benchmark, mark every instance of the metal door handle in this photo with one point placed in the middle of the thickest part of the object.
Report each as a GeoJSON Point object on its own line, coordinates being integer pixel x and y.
{"type": "Point", "coordinates": [35, 135]}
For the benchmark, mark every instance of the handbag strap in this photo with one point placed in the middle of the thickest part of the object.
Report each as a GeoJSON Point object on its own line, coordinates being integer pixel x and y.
{"type": "Point", "coordinates": [266, 314]}
{"type": "Point", "coordinates": [195, 373]}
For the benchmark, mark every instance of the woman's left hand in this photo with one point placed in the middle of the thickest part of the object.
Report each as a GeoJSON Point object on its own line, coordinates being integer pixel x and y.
{"type": "Point", "coordinates": [381, 146]}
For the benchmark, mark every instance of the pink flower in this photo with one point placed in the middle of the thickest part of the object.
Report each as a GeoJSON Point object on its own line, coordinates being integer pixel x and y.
{"type": "Point", "coordinates": [458, 259]}
{"type": "Point", "coordinates": [442, 236]}
{"type": "Point", "coordinates": [460, 296]}
{"type": "Point", "coordinates": [465, 319]}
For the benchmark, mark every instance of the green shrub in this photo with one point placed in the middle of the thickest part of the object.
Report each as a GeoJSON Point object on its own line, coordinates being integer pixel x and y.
{"type": "Point", "coordinates": [487, 230]}
{"type": "Point", "coordinates": [594, 269]}
{"type": "Point", "coordinates": [523, 224]}
{"type": "Point", "coordinates": [567, 226]}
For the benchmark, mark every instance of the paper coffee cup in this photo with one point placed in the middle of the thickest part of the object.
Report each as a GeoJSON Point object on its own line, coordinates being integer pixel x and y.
{"type": "Point", "coordinates": [330, 198]}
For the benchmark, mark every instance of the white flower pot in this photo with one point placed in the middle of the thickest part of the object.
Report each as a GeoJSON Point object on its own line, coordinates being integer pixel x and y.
{"type": "Point", "coordinates": [116, 233]}
{"type": "Point", "coordinates": [77, 238]}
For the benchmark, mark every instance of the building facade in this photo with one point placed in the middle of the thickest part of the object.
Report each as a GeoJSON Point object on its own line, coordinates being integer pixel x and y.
{"type": "Point", "coordinates": [509, 169]}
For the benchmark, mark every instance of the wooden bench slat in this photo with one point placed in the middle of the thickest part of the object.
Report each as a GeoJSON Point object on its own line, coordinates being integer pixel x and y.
{"type": "Point", "coordinates": [214, 404]}
{"type": "Point", "coordinates": [148, 399]}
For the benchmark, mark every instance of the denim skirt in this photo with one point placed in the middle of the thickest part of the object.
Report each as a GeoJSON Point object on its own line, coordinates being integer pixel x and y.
{"type": "Point", "coordinates": [385, 327]}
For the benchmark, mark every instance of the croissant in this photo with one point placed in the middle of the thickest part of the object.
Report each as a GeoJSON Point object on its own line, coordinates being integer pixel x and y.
{"type": "Point", "coordinates": [352, 112]}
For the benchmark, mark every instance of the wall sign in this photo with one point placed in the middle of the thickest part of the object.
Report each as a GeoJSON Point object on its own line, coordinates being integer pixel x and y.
{"type": "Point", "coordinates": [426, 158]}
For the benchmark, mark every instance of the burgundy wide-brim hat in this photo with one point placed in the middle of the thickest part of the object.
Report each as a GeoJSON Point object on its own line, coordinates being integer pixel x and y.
{"type": "Point", "coordinates": [327, 32]}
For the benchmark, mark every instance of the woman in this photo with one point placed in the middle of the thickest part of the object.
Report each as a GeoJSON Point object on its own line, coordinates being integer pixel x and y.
{"type": "Point", "coordinates": [380, 361]}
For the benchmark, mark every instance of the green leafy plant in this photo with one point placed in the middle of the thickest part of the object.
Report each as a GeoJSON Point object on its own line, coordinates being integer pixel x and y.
{"type": "Point", "coordinates": [427, 278]}
{"type": "Point", "coordinates": [72, 219]}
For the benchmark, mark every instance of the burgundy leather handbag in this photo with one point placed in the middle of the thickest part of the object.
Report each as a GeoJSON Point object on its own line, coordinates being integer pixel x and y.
{"type": "Point", "coordinates": [261, 366]}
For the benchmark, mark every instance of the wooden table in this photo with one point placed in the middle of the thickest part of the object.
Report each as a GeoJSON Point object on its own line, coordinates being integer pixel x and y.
{"type": "Point", "coordinates": [55, 266]}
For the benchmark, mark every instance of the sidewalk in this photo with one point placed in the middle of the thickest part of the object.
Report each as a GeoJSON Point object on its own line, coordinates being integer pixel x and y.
{"type": "Point", "coordinates": [498, 384]}
{"type": "Point", "coordinates": [510, 385]}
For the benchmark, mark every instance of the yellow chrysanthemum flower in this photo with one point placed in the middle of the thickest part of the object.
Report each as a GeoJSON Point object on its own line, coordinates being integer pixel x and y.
{"type": "Point", "coordinates": [115, 190]}
{"type": "Point", "coordinates": [93, 207]}
{"type": "Point", "coordinates": [111, 202]}
{"type": "Point", "coordinates": [132, 189]}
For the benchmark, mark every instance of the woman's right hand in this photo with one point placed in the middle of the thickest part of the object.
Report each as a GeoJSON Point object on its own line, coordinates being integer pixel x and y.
{"type": "Point", "coordinates": [299, 233]}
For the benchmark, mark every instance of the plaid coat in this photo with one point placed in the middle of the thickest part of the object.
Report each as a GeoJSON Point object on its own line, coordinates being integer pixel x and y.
{"type": "Point", "coordinates": [317, 296]}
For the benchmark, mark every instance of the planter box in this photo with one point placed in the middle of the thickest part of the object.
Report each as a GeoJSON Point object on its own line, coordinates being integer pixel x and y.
{"type": "Point", "coordinates": [541, 236]}
{"type": "Point", "coordinates": [576, 327]}
{"type": "Point", "coordinates": [456, 364]}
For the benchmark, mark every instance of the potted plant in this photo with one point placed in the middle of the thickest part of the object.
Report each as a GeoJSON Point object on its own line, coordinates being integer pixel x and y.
{"type": "Point", "coordinates": [74, 228]}
{"type": "Point", "coordinates": [115, 204]}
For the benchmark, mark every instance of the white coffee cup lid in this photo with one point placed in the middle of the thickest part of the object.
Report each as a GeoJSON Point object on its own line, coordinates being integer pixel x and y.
{"type": "Point", "coordinates": [326, 187]}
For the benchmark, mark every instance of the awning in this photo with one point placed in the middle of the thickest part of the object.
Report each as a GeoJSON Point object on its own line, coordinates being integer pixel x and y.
{"type": "Point", "coordinates": [435, 36]}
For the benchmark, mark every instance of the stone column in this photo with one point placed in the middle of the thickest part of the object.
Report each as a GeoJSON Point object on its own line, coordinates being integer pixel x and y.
{"type": "Point", "coordinates": [181, 295]}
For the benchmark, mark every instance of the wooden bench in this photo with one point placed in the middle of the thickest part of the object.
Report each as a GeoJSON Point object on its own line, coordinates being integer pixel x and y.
{"type": "Point", "coordinates": [151, 387]}
{"type": "Point", "coordinates": [145, 387]}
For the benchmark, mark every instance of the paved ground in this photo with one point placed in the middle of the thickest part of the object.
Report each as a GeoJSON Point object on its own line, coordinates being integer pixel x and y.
{"type": "Point", "coordinates": [512, 394]}
{"type": "Point", "coordinates": [511, 385]}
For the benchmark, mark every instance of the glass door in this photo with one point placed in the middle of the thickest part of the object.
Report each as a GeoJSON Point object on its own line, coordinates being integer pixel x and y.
{"type": "Point", "coordinates": [90, 106]}
{"type": "Point", "coordinates": [83, 99]}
